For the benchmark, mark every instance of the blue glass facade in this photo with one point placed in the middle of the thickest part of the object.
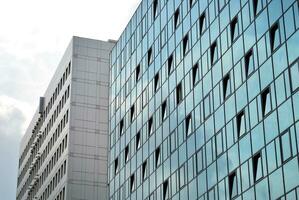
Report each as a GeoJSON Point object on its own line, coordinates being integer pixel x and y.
{"type": "Point", "coordinates": [205, 101]}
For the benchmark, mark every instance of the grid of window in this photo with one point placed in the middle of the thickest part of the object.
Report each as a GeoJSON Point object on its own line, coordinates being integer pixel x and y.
{"type": "Point", "coordinates": [36, 159]}
{"type": "Point", "coordinates": [61, 195]}
{"type": "Point", "coordinates": [217, 105]}
{"type": "Point", "coordinates": [55, 95]}
{"type": "Point", "coordinates": [53, 183]}
{"type": "Point", "coordinates": [53, 113]}
{"type": "Point", "coordinates": [40, 161]}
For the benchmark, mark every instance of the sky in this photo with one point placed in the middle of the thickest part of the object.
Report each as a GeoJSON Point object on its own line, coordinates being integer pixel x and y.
{"type": "Point", "coordinates": [33, 37]}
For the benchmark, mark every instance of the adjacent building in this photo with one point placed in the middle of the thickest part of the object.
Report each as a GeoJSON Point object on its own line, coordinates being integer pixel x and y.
{"type": "Point", "coordinates": [204, 101]}
{"type": "Point", "coordinates": [63, 154]}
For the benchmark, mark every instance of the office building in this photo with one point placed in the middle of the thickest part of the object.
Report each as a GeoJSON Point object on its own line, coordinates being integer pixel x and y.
{"type": "Point", "coordinates": [204, 101]}
{"type": "Point", "coordinates": [63, 154]}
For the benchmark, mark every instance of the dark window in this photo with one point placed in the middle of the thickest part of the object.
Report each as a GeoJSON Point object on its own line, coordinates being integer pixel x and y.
{"type": "Point", "coordinates": [165, 189]}
{"type": "Point", "coordinates": [185, 44]}
{"type": "Point", "coordinates": [138, 72]}
{"type": "Point", "coordinates": [188, 124]}
{"type": "Point", "coordinates": [138, 143]}
{"type": "Point", "coordinates": [249, 62]}
{"type": "Point", "coordinates": [179, 93]}
{"type": "Point", "coordinates": [232, 183]}
{"type": "Point", "coordinates": [155, 8]}
{"type": "Point", "coordinates": [144, 170]}
{"type": "Point", "coordinates": [191, 3]}
{"type": "Point", "coordinates": [202, 23]}
{"type": "Point", "coordinates": [132, 113]}
{"type": "Point", "coordinates": [132, 183]}
{"type": "Point", "coordinates": [255, 2]}
{"type": "Point", "coordinates": [257, 166]}
{"type": "Point", "coordinates": [234, 31]}
{"type": "Point", "coordinates": [150, 126]}
{"type": "Point", "coordinates": [226, 86]}
{"type": "Point", "coordinates": [195, 74]}
{"type": "Point", "coordinates": [69, 67]}
{"type": "Point", "coordinates": [256, 6]}
{"type": "Point", "coordinates": [274, 37]}
{"type": "Point", "coordinates": [157, 157]}
{"type": "Point", "coordinates": [266, 101]}
{"type": "Point", "coordinates": [149, 56]}
{"type": "Point", "coordinates": [115, 165]}
{"type": "Point", "coordinates": [156, 81]}
{"type": "Point", "coordinates": [241, 123]}
{"type": "Point", "coordinates": [127, 151]}
{"type": "Point", "coordinates": [213, 51]}
{"type": "Point", "coordinates": [121, 126]}
{"type": "Point", "coordinates": [170, 63]}
{"type": "Point", "coordinates": [164, 109]}
{"type": "Point", "coordinates": [177, 18]}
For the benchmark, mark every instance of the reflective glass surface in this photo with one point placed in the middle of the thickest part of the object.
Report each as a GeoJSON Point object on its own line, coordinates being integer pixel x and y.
{"type": "Point", "coordinates": [214, 85]}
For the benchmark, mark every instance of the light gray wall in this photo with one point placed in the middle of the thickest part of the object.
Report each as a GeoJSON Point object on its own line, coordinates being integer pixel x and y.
{"type": "Point", "coordinates": [87, 169]}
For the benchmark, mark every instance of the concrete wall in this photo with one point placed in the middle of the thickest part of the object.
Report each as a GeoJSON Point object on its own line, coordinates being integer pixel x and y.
{"type": "Point", "coordinates": [87, 170]}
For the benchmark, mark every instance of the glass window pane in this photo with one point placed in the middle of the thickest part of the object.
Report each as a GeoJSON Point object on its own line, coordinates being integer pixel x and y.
{"type": "Point", "coordinates": [276, 184]}
{"type": "Point", "coordinates": [286, 146]}
{"type": "Point", "coordinates": [262, 190]}
{"type": "Point", "coordinates": [291, 171]}
{"type": "Point", "coordinates": [295, 76]}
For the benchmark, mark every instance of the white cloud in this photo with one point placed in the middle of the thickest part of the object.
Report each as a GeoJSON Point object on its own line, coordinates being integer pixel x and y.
{"type": "Point", "coordinates": [13, 116]}
{"type": "Point", "coordinates": [35, 26]}
{"type": "Point", "coordinates": [34, 35]}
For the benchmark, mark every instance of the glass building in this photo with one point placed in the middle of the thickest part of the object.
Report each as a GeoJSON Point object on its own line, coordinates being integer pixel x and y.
{"type": "Point", "coordinates": [205, 102]}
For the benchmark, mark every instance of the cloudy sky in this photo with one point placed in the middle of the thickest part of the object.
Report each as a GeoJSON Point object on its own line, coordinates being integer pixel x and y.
{"type": "Point", "coordinates": [33, 37]}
